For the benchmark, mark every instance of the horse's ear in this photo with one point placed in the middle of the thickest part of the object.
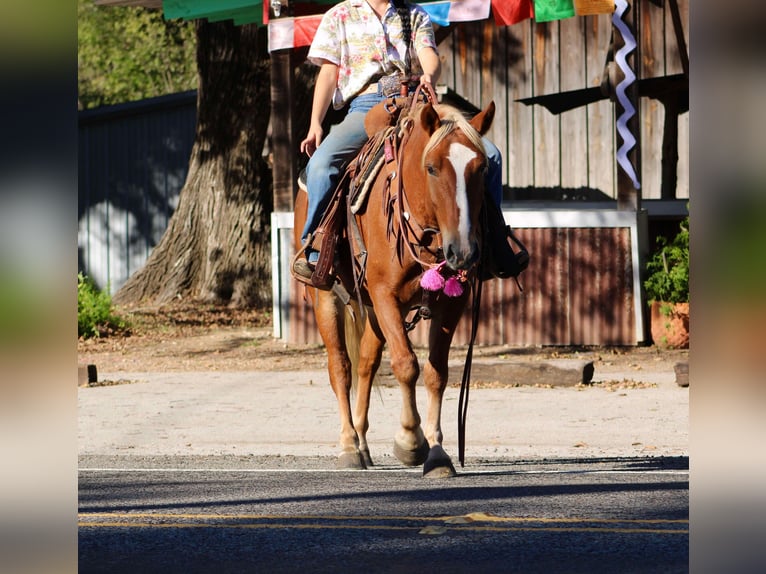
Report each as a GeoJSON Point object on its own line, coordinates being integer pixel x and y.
{"type": "Point", "coordinates": [483, 119]}
{"type": "Point", "coordinates": [429, 118]}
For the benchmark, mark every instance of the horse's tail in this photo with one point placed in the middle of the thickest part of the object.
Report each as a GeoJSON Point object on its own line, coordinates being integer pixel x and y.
{"type": "Point", "coordinates": [353, 320]}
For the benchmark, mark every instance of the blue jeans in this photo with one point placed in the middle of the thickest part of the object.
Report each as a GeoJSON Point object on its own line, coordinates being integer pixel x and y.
{"type": "Point", "coordinates": [341, 145]}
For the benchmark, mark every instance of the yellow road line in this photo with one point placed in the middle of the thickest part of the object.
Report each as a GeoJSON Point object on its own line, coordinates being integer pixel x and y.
{"type": "Point", "coordinates": [293, 526]}
{"type": "Point", "coordinates": [473, 517]}
{"type": "Point", "coordinates": [232, 521]}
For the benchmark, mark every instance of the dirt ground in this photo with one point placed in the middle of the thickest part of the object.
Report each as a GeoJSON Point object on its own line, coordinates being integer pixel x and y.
{"type": "Point", "coordinates": [207, 338]}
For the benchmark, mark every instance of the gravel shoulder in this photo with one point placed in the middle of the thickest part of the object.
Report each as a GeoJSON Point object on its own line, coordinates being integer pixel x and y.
{"type": "Point", "coordinates": [198, 338]}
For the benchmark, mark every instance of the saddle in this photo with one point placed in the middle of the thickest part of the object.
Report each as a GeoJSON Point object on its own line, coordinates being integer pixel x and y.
{"type": "Point", "coordinates": [352, 190]}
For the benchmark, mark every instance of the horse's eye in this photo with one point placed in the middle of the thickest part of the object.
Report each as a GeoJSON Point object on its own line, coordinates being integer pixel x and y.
{"type": "Point", "coordinates": [431, 170]}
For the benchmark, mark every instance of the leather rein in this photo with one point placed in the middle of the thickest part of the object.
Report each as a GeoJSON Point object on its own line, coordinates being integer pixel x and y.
{"type": "Point", "coordinates": [410, 232]}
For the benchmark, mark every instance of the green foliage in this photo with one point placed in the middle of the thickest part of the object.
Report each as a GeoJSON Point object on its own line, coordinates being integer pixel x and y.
{"type": "Point", "coordinates": [94, 310]}
{"type": "Point", "coordinates": [668, 269]}
{"type": "Point", "coordinates": [126, 54]}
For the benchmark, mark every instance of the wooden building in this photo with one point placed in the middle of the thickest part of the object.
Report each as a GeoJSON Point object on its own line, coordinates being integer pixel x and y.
{"type": "Point", "coordinates": [586, 222]}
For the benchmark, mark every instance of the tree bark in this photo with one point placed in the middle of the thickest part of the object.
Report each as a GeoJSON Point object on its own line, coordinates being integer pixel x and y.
{"type": "Point", "coordinates": [217, 244]}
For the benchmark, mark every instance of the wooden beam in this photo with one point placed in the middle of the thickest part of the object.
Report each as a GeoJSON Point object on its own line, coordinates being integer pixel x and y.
{"type": "Point", "coordinates": [284, 167]}
{"type": "Point", "coordinates": [678, 28]}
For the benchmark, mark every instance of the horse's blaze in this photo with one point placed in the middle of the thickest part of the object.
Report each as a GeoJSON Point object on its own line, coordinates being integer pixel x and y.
{"type": "Point", "coordinates": [460, 156]}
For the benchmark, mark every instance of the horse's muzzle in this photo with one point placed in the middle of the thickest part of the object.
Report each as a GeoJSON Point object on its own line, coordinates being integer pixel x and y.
{"type": "Point", "coordinates": [461, 259]}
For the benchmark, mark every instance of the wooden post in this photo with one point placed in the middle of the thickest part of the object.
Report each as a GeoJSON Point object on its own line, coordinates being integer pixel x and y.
{"type": "Point", "coordinates": [284, 169]}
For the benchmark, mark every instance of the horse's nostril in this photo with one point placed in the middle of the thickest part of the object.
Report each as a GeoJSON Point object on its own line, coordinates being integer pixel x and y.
{"type": "Point", "coordinates": [450, 253]}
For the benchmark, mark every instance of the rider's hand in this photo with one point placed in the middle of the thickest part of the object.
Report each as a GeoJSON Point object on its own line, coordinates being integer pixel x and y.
{"type": "Point", "coordinates": [312, 140]}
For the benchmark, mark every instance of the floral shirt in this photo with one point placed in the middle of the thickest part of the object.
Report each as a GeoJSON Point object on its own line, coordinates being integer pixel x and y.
{"type": "Point", "coordinates": [352, 37]}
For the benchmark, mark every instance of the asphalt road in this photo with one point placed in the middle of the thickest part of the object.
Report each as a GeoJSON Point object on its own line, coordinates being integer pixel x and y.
{"type": "Point", "coordinates": [235, 472]}
{"type": "Point", "coordinates": [297, 514]}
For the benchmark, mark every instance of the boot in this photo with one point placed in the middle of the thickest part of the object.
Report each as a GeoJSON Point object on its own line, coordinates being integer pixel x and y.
{"type": "Point", "coordinates": [499, 258]}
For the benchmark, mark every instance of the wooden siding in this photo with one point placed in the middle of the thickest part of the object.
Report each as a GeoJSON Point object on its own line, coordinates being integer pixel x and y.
{"type": "Point", "coordinates": [578, 290]}
{"type": "Point", "coordinates": [572, 154]}
{"type": "Point", "coordinates": [583, 286]}
{"type": "Point", "coordinates": [133, 160]}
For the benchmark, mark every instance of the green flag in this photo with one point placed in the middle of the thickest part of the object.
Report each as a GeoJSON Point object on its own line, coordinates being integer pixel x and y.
{"type": "Point", "coordinates": [547, 10]}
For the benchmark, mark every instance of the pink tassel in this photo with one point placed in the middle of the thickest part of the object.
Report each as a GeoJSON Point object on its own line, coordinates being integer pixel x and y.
{"type": "Point", "coordinates": [453, 287]}
{"type": "Point", "coordinates": [432, 280]}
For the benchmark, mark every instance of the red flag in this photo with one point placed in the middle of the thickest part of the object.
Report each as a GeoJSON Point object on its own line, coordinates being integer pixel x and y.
{"type": "Point", "coordinates": [305, 29]}
{"type": "Point", "coordinates": [509, 12]}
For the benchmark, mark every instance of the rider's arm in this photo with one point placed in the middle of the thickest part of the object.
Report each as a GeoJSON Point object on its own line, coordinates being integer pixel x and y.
{"type": "Point", "coordinates": [323, 94]}
{"type": "Point", "coordinates": [429, 61]}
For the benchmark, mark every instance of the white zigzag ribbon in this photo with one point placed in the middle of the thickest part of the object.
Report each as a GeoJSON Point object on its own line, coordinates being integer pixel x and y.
{"type": "Point", "coordinates": [628, 141]}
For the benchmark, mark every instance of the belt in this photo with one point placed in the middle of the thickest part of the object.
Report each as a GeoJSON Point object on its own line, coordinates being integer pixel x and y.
{"type": "Point", "coordinates": [386, 86]}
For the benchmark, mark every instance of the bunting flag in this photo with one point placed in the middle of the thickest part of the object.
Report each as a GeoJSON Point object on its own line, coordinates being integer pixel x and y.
{"type": "Point", "coordinates": [298, 31]}
{"type": "Point", "coordinates": [590, 7]}
{"type": "Point", "coordinates": [548, 10]}
{"type": "Point", "coordinates": [508, 12]}
{"type": "Point", "coordinates": [442, 13]}
{"type": "Point", "coordinates": [285, 33]}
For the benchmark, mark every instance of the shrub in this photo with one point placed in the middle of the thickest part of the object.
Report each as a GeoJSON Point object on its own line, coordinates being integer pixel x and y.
{"type": "Point", "coordinates": [95, 314]}
{"type": "Point", "coordinates": [668, 269]}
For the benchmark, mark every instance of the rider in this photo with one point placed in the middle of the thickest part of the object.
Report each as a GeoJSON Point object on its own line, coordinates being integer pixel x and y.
{"type": "Point", "coordinates": [362, 51]}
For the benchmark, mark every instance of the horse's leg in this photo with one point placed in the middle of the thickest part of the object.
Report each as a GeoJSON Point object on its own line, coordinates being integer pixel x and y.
{"type": "Point", "coordinates": [435, 373]}
{"type": "Point", "coordinates": [410, 445]}
{"type": "Point", "coordinates": [330, 321]}
{"type": "Point", "coordinates": [370, 352]}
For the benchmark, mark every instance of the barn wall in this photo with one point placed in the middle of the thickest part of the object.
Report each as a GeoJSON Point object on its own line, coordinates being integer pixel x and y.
{"type": "Point", "coordinates": [133, 160]}
{"type": "Point", "coordinates": [580, 288]}
{"type": "Point", "coordinates": [583, 286]}
{"type": "Point", "coordinates": [570, 155]}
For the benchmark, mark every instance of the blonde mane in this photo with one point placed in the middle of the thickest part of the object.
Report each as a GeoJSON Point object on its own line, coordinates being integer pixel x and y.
{"type": "Point", "coordinates": [452, 119]}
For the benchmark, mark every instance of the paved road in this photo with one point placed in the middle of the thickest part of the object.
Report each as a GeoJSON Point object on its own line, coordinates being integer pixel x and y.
{"type": "Point", "coordinates": [234, 472]}
{"type": "Point", "coordinates": [262, 514]}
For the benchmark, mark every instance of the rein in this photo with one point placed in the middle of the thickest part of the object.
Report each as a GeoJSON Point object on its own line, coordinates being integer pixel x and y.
{"type": "Point", "coordinates": [406, 223]}
{"type": "Point", "coordinates": [465, 383]}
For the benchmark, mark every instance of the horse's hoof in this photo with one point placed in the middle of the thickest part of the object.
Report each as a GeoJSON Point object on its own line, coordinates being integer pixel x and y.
{"type": "Point", "coordinates": [366, 458]}
{"type": "Point", "coordinates": [411, 457]}
{"type": "Point", "coordinates": [438, 464]}
{"type": "Point", "coordinates": [351, 461]}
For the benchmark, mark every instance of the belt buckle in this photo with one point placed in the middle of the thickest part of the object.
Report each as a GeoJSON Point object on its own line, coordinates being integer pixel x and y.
{"type": "Point", "coordinates": [389, 86]}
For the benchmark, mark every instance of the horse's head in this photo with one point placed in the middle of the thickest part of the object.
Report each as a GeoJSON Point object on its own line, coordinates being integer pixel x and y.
{"type": "Point", "coordinates": [455, 165]}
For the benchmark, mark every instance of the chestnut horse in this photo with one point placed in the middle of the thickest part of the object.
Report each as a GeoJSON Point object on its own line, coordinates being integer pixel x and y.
{"type": "Point", "coordinates": [421, 218]}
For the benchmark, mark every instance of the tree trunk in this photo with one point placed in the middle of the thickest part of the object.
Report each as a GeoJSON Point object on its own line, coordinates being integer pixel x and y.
{"type": "Point", "coordinates": [217, 245]}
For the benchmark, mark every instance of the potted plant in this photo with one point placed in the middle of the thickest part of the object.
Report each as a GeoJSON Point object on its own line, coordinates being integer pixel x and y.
{"type": "Point", "coordinates": [667, 289]}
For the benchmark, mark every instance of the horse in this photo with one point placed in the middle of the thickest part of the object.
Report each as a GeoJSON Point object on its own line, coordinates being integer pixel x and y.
{"type": "Point", "coordinates": [420, 231]}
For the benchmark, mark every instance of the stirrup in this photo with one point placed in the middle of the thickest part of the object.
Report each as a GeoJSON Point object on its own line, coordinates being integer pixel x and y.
{"type": "Point", "coordinates": [302, 270]}
{"type": "Point", "coordinates": [300, 264]}
{"type": "Point", "coordinates": [522, 257]}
